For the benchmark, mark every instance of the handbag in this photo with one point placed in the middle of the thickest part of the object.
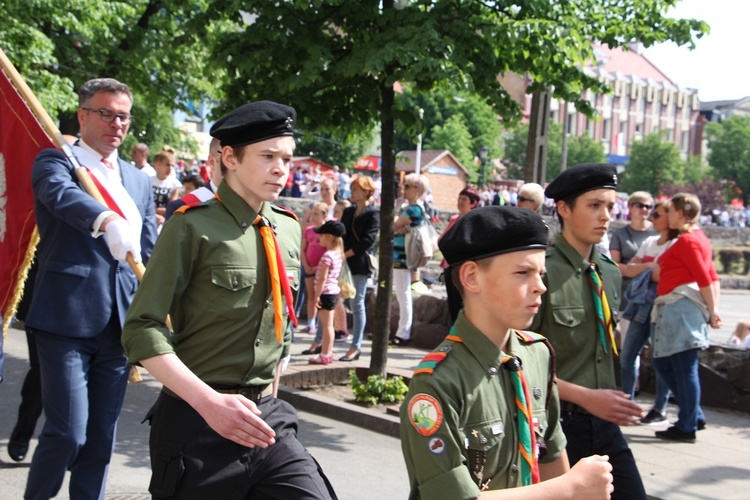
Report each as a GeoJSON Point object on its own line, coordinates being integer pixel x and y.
{"type": "Point", "coordinates": [346, 283]}
{"type": "Point", "coordinates": [421, 243]}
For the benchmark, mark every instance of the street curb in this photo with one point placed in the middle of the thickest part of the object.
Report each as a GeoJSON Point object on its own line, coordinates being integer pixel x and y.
{"type": "Point", "coordinates": [342, 411]}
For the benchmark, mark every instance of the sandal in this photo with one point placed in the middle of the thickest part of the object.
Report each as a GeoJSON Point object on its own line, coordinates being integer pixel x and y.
{"type": "Point", "coordinates": [313, 350]}
{"type": "Point", "coordinates": [321, 359]}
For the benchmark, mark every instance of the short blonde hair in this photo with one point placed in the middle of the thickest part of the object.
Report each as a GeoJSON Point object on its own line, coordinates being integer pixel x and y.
{"type": "Point", "coordinates": [319, 207]}
{"type": "Point", "coordinates": [419, 181]}
{"type": "Point", "coordinates": [534, 192]}
{"type": "Point", "coordinates": [640, 197]}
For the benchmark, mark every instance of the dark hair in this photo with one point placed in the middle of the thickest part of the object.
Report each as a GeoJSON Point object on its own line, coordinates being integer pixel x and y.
{"type": "Point", "coordinates": [471, 194]}
{"type": "Point", "coordinates": [89, 89]}
{"type": "Point", "coordinates": [164, 155]}
{"type": "Point", "coordinates": [571, 203]}
{"type": "Point", "coordinates": [195, 179]}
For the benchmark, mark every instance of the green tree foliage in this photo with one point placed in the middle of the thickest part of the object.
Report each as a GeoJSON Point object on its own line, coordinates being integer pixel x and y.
{"type": "Point", "coordinates": [729, 152]}
{"type": "Point", "coordinates": [654, 162]}
{"type": "Point", "coordinates": [454, 136]}
{"type": "Point", "coordinates": [584, 149]}
{"type": "Point", "coordinates": [480, 119]}
{"type": "Point", "coordinates": [150, 45]}
{"type": "Point", "coordinates": [334, 151]}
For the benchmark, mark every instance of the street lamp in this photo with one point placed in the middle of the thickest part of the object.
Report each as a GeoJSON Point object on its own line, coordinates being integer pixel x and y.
{"type": "Point", "coordinates": [418, 167]}
{"type": "Point", "coordinates": [483, 153]}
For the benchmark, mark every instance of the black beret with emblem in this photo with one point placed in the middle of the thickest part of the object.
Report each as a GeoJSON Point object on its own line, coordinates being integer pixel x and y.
{"type": "Point", "coordinates": [488, 231]}
{"type": "Point", "coordinates": [254, 122]}
{"type": "Point", "coordinates": [581, 178]}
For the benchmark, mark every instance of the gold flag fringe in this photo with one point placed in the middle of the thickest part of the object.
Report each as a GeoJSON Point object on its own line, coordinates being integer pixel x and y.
{"type": "Point", "coordinates": [21, 280]}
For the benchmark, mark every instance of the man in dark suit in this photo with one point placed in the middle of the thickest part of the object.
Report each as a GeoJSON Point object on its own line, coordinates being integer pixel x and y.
{"type": "Point", "coordinates": [82, 292]}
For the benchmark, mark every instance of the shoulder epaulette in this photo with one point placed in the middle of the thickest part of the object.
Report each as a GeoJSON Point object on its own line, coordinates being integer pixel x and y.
{"type": "Point", "coordinates": [284, 211]}
{"type": "Point", "coordinates": [529, 337]}
{"type": "Point", "coordinates": [185, 208]}
{"type": "Point", "coordinates": [430, 362]}
{"type": "Point", "coordinates": [609, 259]}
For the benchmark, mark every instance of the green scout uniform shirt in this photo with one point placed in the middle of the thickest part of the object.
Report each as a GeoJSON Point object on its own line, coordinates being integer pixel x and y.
{"type": "Point", "coordinates": [209, 272]}
{"type": "Point", "coordinates": [475, 427]}
{"type": "Point", "coordinates": [567, 317]}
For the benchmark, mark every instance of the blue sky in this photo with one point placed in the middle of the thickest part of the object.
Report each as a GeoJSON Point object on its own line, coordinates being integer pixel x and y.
{"type": "Point", "coordinates": [717, 68]}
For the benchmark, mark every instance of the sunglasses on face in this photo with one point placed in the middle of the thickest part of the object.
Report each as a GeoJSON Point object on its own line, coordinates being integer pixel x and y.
{"type": "Point", "coordinates": [656, 215]}
{"type": "Point", "coordinates": [644, 206]}
{"type": "Point", "coordinates": [521, 199]}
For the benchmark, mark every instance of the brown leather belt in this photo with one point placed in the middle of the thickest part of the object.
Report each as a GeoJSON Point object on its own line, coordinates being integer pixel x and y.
{"type": "Point", "coordinates": [567, 406]}
{"type": "Point", "coordinates": [252, 392]}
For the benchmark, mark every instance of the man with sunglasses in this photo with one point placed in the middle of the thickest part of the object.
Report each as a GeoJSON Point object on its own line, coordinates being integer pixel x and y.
{"type": "Point", "coordinates": [83, 290]}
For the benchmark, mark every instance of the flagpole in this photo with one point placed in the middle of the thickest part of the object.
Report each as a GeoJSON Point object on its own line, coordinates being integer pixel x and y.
{"type": "Point", "coordinates": [81, 173]}
{"type": "Point", "coordinates": [49, 126]}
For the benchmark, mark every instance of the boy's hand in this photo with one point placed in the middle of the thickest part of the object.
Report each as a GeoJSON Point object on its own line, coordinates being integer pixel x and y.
{"type": "Point", "coordinates": [318, 305]}
{"type": "Point", "coordinates": [592, 477]}
{"type": "Point", "coordinates": [613, 406]}
{"type": "Point", "coordinates": [236, 418]}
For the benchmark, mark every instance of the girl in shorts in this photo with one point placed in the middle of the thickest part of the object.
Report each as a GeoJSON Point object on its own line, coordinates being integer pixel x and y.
{"type": "Point", "coordinates": [327, 285]}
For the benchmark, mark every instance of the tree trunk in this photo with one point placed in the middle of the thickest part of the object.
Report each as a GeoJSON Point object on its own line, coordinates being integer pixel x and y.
{"type": "Point", "coordinates": [382, 327]}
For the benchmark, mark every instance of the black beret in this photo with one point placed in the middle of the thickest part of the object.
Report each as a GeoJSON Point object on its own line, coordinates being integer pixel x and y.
{"type": "Point", "coordinates": [581, 178]}
{"type": "Point", "coordinates": [488, 231]}
{"type": "Point", "coordinates": [254, 122]}
{"type": "Point", "coordinates": [331, 227]}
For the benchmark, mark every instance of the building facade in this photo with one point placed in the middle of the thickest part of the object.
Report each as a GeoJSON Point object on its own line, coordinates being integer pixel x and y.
{"type": "Point", "coordinates": [644, 101]}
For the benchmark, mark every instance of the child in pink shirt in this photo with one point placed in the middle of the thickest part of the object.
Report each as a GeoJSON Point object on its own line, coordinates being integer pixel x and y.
{"type": "Point", "coordinates": [311, 252]}
{"type": "Point", "coordinates": [327, 285]}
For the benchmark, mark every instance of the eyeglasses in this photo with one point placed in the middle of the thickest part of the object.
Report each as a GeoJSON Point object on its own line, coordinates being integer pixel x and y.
{"type": "Point", "coordinates": [521, 199]}
{"type": "Point", "coordinates": [644, 206]}
{"type": "Point", "coordinates": [108, 116]}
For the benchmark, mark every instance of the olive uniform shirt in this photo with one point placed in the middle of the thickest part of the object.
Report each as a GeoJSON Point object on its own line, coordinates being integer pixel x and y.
{"type": "Point", "coordinates": [568, 319]}
{"type": "Point", "coordinates": [458, 424]}
{"type": "Point", "coordinates": [209, 272]}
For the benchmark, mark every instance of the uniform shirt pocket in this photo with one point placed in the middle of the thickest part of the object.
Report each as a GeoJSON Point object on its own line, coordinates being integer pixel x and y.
{"type": "Point", "coordinates": [233, 290]}
{"type": "Point", "coordinates": [568, 316]}
{"type": "Point", "coordinates": [485, 447]}
{"type": "Point", "coordinates": [233, 278]}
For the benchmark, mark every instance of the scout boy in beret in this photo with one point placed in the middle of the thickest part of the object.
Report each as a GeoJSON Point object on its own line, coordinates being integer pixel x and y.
{"type": "Point", "coordinates": [578, 316]}
{"type": "Point", "coordinates": [225, 272]}
{"type": "Point", "coordinates": [482, 411]}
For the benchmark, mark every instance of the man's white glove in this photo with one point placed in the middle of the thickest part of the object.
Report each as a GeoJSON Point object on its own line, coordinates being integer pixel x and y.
{"type": "Point", "coordinates": [120, 240]}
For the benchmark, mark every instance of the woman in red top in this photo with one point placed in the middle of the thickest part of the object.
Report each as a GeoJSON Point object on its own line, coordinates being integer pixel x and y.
{"type": "Point", "coordinates": [688, 298]}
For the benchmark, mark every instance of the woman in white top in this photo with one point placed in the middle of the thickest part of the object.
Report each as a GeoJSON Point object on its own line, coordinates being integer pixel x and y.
{"type": "Point", "coordinates": [638, 333]}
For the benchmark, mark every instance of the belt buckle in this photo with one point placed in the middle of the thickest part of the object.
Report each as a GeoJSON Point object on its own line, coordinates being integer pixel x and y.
{"type": "Point", "coordinates": [250, 393]}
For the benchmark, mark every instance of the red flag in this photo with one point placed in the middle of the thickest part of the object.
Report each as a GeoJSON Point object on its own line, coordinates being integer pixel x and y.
{"type": "Point", "coordinates": [21, 139]}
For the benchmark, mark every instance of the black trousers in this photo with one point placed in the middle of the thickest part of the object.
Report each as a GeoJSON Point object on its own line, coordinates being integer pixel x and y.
{"type": "Point", "coordinates": [589, 435]}
{"type": "Point", "coordinates": [30, 408]}
{"type": "Point", "coordinates": [191, 461]}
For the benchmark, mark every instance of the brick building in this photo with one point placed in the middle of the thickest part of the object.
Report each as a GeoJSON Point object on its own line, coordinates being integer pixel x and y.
{"type": "Point", "coordinates": [445, 173]}
{"type": "Point", "coordinates": [644, 101]}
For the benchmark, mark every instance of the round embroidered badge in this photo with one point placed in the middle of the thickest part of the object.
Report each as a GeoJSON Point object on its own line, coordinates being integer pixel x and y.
{"type": "Point", "coordinates": [426, 414]}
